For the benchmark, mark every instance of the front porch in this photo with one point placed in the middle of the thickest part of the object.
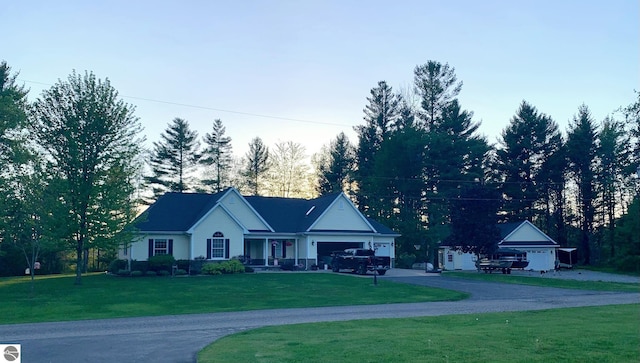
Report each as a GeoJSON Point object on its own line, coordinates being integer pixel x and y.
{"type": "Point", "coordinates": [277, 253]}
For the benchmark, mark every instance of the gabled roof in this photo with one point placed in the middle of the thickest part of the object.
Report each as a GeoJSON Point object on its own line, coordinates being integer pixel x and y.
{"type": "Point", "coordinates": [176, 212]}
{"type": "Point", "coordinates": [290, 215]}
{"type": "Point", "coordinates": [509, 230]}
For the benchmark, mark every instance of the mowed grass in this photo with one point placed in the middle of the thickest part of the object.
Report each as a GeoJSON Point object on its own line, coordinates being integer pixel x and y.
{"type": "Point", "coordinates": [101, 296]}
{"type": "Point", "coordinates": [548, 282]}
{"type": "Point", "coordinates": [591, 334]}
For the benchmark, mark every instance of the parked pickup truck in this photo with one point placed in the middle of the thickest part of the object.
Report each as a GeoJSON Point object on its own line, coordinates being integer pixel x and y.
{"type": "Point", "coordinates": [359, 260]}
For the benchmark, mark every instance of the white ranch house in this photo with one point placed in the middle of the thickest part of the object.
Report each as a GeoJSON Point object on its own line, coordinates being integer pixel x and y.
{"type": "Point", "coordinates": [266, 231]}
{"type": "Point", "coordinates": [542, 251]}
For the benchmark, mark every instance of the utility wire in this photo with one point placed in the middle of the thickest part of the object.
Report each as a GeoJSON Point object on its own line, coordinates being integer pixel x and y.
{"type": "Point", "coordinates": [216, 109]}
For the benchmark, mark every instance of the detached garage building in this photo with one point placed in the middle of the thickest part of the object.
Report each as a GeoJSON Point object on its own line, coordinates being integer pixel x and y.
{"type": "Point", "coordinates": [542, 251]}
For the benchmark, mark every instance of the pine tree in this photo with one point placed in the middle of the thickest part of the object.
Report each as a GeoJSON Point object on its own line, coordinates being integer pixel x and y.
{"type": "Point", "coordinates": [526, 146]}
{"type": "Point", "coordinates": [335, 173]}
{"type": "Point", "coordinates": [257, 165]}
{"type": "Point", "coordinates": [380, 115]}
{"type": "Point", "coordinates": [217, 157]}
{"type": "Point", "coordinates": [581, 151]}
{"type": "Point", "coordinates": [174, 158]}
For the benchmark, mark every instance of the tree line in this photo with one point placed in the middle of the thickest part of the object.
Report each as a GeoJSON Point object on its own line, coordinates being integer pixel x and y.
{"type": "Point", "coordinates": [75, 171]}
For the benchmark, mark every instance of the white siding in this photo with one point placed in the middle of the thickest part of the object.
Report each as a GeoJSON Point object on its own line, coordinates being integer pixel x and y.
{"type": "Point", "coordinates": [456, 260]}
{"type": "Point", "coordinates": [341, 215]}
{"type": "Point", "coordinates": [218, 221]}
{"type": "Point", "coordinates": [139, 250]}
{"type": "Point", "coordinates": [527, 232]}
{"type": "Point", "coordinates": [241, 210]}
{"type": "Point", "coordinates": [540, 259]}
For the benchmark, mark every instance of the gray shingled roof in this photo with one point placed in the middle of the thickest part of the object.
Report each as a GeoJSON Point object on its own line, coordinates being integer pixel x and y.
{"type": "Point", "coordinates": [177, 212]}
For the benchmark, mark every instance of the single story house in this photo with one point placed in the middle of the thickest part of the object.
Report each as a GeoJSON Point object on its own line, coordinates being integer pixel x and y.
{"type": "Point", "coordinates": [265, 231]}
{"type": "Point", "coordinates": [542, 250]}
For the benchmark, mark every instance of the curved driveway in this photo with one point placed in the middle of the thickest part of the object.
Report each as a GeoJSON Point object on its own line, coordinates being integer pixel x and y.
{"type": "Point", "coordinates": [178, 338]}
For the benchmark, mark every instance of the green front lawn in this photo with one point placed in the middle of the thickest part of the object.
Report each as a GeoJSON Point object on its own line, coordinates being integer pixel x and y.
{"type": "Point", "coordinates": [591, 334]}
{"type": "Point", "coordinates": [101, 296]}
{"type": "Point", "coordinates": [546, 282]}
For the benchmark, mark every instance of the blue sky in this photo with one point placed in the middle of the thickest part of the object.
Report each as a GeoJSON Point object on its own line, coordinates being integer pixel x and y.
{"type": "Point", "coordinates": [317, 60]}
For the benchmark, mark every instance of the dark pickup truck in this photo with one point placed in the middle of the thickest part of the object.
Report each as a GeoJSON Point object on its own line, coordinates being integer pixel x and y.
{"type": "Point", "coordinates": [359, 260]}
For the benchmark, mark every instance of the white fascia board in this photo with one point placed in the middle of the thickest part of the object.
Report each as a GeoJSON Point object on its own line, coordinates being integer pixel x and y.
{"type": "Point", "coordinates": [353, 207]}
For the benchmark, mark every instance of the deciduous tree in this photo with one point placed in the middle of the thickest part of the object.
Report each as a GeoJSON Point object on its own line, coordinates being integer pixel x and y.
{"type": "Point", "coordinates": [91, 141]}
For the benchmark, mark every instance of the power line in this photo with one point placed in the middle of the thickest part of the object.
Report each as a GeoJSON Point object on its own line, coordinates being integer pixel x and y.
{"type": "Point", "coordinates": [217, 109]}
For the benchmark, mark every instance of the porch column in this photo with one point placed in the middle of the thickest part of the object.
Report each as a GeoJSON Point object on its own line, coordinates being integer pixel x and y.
{"type": "Point", "coordinates": [266, 252]}
{"type": "Point", "coordinates": [295, 250]}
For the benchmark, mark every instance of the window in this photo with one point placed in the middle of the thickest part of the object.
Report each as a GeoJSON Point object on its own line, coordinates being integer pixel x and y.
{"type": "Point", "coordinates": [160, 247]}
{"type": "Point", "coordinates": [449, 258]}
{"type": "Point", "coordinates": [217, 247]}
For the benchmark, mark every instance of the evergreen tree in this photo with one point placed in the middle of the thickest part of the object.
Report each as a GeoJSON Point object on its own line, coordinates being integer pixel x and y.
{"type": "Point", "coordinates": [335, 172]}
{"type": "Point", "coordinates": [454, 153]}
{"type": "Point", "coordinates": [257, 165]}
{"type": "Point", "coordinates": [437, 86]}
{"type": "Point", "coordinates": [474, 217]}
{"type": "Point", "coordinates": [380, 114]}
{"type": "Point", "coordinates": [526, 146]}
{"type": "Point", "coordinates": [174, 158]}
{"type": "Point", "coordinates": [217, 157]}
{"type": "Point", "coordinates": [13, 102]}
{"type": "Point", "coordinates": [581, 151]}
{"type": "Point", "coordinates": [91, 143]}
{"type": "Point", "coordinates": [614, 155]}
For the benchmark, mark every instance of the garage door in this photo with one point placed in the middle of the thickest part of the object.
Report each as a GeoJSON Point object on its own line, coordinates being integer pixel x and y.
{"type": "Point", "coordinates": [326, 248]}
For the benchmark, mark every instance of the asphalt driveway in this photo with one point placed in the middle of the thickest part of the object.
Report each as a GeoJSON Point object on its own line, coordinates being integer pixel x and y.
{"type": "Point", "coordinates": [178, 338]}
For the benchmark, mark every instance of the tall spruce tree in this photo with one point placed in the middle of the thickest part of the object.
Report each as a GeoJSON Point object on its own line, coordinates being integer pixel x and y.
{"type": "Point", "coordinates": [582, 153]}
{"type": "Point", "coordinates": [217, 158]}
{"type": "Point", "coordinates": [614, 155]}
{"type": "Point", "coordinates": [174, 158]}
{"type": "Point", "coordinates": [257, 165]}
{"type": "Point", "coordinates": [526, 146]}
{"type": "Point", "coordinates": [454, 152]}
{"type": "Point", "coordinates": [335, 173]}
{"type": "Point", "coordinates": [380, 114]}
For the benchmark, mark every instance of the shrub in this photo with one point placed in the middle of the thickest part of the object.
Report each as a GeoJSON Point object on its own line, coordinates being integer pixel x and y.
{"type": "Point", "coordinates": [183, 264]}
{"type": "Point", "coordinates": [151, 273]}
{"type": "Point", "coordinates": [116, 265]}
{"type": "Point", "coordinates": [163, 273]}
{"type": "Point", "coordinates": [211, 269]}
{"type": "Point", "coordinates": [124, 272]}
{"type": "Point", "coordinates": [136, 273]}
{"type": "Point", "coordinates": [248, 269]}
{"type": "Point", "coordinates": [405, 260]}
{"type": "Point", "coordinates": [180, 272]}
{"type": "Point", "coordinates": [161, 263]}
{"type": "Point", "coordinates": [629, 263]}
{"type": "Point", "coordinates": [225, 267]}
{"type": "Point", "coordinates": [139, 266]}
